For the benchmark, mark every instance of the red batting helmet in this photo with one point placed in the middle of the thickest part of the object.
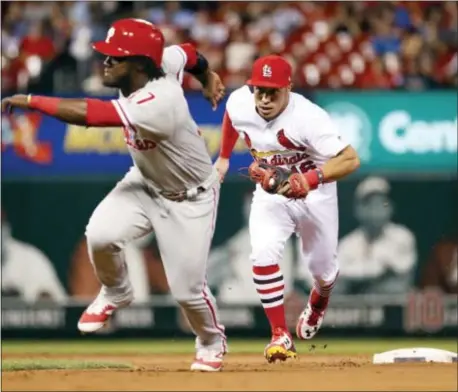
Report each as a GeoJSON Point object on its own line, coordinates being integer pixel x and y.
{"type": "Point", "coordinates": [132, 37]}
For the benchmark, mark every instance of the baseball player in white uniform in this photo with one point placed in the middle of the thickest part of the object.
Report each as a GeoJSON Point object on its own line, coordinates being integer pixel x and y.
{"type": "Point", "coordinates": [172, 187]}
{"type": "Point", "coordinates": [298, 156]}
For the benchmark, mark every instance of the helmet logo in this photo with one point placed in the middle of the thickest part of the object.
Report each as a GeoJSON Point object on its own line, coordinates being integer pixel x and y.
{"type": "Point", "coordinates": [110, 34]}
{"type": "Point", "coordinates": [267, 71]}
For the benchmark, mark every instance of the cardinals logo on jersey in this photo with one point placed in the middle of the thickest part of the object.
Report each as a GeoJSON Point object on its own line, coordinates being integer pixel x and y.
{"type": "Point", "coordinates": [282, 139]}
{"type": "Point", "coordinates": [287, 143]}
{"type": "Point", "coordinates": [293, 156]}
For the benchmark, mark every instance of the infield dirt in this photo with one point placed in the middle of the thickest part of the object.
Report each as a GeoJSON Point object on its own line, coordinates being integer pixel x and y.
{"type": "Point", "coordinates": [241, 373]}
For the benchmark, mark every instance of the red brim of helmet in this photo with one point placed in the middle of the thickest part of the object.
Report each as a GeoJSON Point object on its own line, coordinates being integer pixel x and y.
{"type": "Point", "coordinates": [107, 49]}
{"type": "Point", "coordinates": [264, 83]}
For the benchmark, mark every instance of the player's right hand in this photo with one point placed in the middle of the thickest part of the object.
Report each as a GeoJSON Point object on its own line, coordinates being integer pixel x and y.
{"type": "Point", "coordinates": [222, 166]}
{"type": "Point", "coordinates": [16, 101]}
{"type": "Point", "coordinates": [214, 90]}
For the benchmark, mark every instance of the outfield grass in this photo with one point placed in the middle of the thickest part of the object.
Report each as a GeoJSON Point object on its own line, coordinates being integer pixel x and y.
{"type": "Point", "coordinates": [46, 364]}
{"type": "Point", "coordinates": [145, 347]}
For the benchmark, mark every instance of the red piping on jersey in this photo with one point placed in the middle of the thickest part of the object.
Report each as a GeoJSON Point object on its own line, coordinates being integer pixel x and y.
{"type": "Point", "coordinates": [101, 114]}
{"type": "Point", "coordinates": [191, 55]}
{"type": "Point", "coordinates": [126, 120]}
{"type": "Point", "coordinates": [229, 137]}
{"type": "Point", "coordinates": [207, 300]}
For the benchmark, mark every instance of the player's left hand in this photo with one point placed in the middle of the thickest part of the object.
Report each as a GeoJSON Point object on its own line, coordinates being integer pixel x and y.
{"type": "Point", "coordinates": [214, 89]}
{"type": "Point", "coordinates": [16, 101]}
{"type": "Point", "coordinates": [276, 180]}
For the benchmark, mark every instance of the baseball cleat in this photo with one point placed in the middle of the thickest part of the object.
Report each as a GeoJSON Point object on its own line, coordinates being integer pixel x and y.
{"type": "Point", "coordinates": [312, 317]}
{"type": "Point", "coordinates": [98, 313]}
{"type": "Point", "coordinates": [281, 347]}
{"type": "Point", "coordinates": [208, 361]}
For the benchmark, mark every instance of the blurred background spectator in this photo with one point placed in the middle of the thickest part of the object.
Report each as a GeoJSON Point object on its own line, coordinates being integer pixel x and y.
{"type": "Point", "coordinates": [369, 45]}
{"type": "Point", "coordinates": [26, 272]}
{"type": "Point", "coordinates": [379, 256]}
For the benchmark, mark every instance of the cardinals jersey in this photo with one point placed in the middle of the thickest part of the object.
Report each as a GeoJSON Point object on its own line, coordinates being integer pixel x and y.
{"type": "Point", "coordinates": [301, 138]}
{"type": "Point", "coordinates": [161, 135]}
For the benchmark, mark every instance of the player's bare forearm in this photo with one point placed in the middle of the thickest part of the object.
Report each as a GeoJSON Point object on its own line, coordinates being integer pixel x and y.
{"type": "Point", "coordinates": [203, 77]}
{"type": "Point", "coordinates": [212, 87]}
{"type": "Point", "coordinates": [298, 185]}
{"type": "Point", "coordinates": [343, 164]}
{"type": "Point", "coordinates": [71, 111]}
{"type": "Point", "coordinates": [89, 112]}
{"type": "Point", "coordinates": [229, 137]}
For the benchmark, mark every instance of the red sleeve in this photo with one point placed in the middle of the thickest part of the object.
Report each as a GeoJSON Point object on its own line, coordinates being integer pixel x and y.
{"type": "Point", "coordinates": [229, 137]}
{"type": "Point", "coordinates": [101, 114]}
{"type": "Point", "coordinates": [191, 55]}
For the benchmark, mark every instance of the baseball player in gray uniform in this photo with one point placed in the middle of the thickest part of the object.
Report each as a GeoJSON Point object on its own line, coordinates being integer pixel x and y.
{"type": "Point", "coordinates": [171, 188]}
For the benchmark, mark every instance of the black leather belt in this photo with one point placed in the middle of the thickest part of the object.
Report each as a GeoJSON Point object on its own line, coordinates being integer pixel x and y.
{"type": "Point", "coordinates": [183, 195]}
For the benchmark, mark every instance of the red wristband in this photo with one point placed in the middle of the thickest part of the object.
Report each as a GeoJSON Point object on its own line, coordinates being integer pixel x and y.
{"type": "Point", "coordinates": [314, 178]}
{"type": "Point", "coordinates": [47, 105]}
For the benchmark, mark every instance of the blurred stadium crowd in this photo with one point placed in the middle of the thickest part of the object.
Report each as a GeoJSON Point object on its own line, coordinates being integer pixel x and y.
{"type": "Point", "coordinates": [361, 44]}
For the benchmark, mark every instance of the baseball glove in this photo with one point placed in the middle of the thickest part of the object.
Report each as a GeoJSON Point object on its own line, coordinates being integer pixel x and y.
{"type": "Point", "coordinates": [271, 178]}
